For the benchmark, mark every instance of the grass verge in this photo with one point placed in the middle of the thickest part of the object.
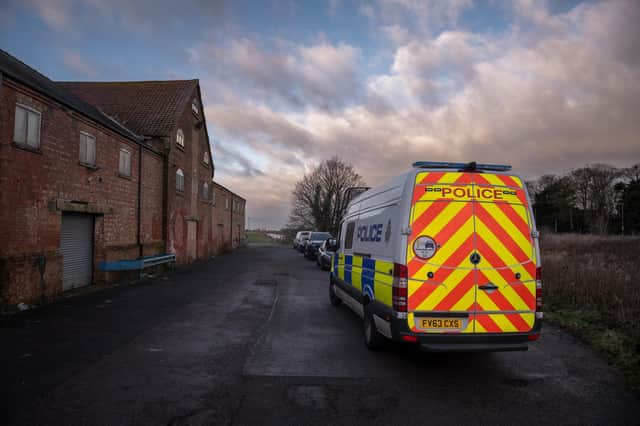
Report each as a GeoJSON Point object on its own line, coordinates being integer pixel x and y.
{"type": "Point", "coordinates": [258, 237]}
{"type": "Point", "coordinates": [589, 288]}
{"type": "Point", "coordinates": [612, 342]}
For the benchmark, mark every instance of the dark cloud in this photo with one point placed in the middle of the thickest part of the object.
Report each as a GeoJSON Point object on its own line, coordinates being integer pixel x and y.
{"type": "Point", "coordinates": [231, 161]}
{"type": "Point", "coordinates": [286, 75]}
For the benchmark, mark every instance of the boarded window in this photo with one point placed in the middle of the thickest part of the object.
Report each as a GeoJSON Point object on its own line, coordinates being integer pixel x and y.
{"type": "Point", "coordinates": [180, 180]}
{"type": "Point", "coordinates": [180, 138]}
{"type": "Point", "coordinates": [348, 238]}
{"type": "Point", "coordinates": [125, 162]}
{"type": "Point", "coordinates": [26, 129]}
{"type": "Point", "coordinates": [87, 149]}
{"type": "Point", "coordinates": [205, 191]}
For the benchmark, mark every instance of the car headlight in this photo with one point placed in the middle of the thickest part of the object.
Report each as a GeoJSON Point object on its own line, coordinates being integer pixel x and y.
{"type": "Point", "coordinates": [424, 247]}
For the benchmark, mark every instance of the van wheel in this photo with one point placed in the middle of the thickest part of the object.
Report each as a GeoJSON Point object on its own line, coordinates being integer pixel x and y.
{"type": "Point", "coordinates": [335, 300]}
{"type": "Point", "coordinates": [372, 337]}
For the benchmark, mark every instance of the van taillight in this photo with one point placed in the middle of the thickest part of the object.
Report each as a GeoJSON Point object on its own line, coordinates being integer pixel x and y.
{"type": "Point", "coordinates": [399, 289]}
{"type": "Point", "coordinates": [539, 291]}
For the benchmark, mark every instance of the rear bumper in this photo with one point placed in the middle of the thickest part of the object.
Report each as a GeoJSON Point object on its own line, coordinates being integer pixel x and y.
{"type": "Point", "coordinates": [474, 343]}
{"type": "Point", "coordinates": [457, 342]}
{"type": "Point", "coordinates": [466, 342]}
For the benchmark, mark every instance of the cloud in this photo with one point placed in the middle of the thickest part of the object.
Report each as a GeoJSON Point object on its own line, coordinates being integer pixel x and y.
{"type": "Point", "coordinates": [422, 17]}
{"type": "Point", "coordinates": [323, 75]}
{"type": "Point", "coordinates": [76, 63]}
{"type": "Point", "coordinates": [150, 16]}
{"type": "Point", "coordinates": [233, 162]}
{"type": "Point", "coordinates": [557, 93]}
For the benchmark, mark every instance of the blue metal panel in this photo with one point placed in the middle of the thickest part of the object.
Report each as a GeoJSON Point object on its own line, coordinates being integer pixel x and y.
{"type": "Point", "coordinates": [348, 261]}
{"type": "Point", "coordinates": [368, 273]}
{"type": "Point", "coordinates": [135, 264]}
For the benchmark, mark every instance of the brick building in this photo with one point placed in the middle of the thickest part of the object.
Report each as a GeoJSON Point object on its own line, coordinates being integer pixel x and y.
{"type": "Point", "coordinates": [93, 172]}
{"type": "Point", "coordinates": [228, 218]}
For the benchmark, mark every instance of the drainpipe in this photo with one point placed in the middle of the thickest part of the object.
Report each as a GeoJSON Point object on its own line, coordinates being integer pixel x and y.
{"type": "Point", "coordinates": [165, 194]}
{"type": "Point", "coordinates": [140, 199]}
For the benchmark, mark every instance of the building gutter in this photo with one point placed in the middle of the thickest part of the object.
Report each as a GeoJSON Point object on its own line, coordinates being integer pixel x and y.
{"type": "Point", "coordinates": [231, 222]}
{"type": "Point", "coordinates": [139, 215]}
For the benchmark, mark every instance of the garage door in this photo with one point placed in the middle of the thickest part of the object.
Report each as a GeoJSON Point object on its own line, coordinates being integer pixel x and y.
{"type": "Point", "coordinates": [76, 247]}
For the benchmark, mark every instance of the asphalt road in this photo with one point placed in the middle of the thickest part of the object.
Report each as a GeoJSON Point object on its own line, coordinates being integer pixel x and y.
{"type": "Point", "coordinates": [250, 338]}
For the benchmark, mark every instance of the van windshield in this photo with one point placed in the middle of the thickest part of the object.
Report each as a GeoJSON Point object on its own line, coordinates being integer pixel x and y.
{"type": "Point", "coordinates": [315, 236]}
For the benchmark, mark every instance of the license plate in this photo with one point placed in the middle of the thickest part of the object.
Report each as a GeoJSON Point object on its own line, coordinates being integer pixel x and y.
{"type": "Point", "coordinates": [439, 323]}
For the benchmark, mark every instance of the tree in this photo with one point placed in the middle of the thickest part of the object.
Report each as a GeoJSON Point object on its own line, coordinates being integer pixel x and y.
{"type": "Point", "coordinates": [553, 203]}
{"type": "Point", "coordinates": [629, 200]}
{"type": "Point", "coordinates": [595, 194]}
{"type": "Point", "coordinates": [318, 199]}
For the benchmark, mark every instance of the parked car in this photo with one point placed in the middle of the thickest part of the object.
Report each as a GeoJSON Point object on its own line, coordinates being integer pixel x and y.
{"type": "Point", "coordinates": [325, 254]}
{"type": "Point", "coordinates": [297, 241]}
{"type": "Point", "coordinates": [303, 241]}
{"type": "Point", "coordinates": [314, 242]}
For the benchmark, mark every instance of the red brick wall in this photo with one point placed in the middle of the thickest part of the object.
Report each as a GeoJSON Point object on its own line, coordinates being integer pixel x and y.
{"type": "Point", "coordinates": [229, 225]}
{"type": "Point", "coordinates": [189, 206]}
{"type": "Point", "coordinates": [152, 199]}
{"type": "Point", "coordinates": [34, 184]}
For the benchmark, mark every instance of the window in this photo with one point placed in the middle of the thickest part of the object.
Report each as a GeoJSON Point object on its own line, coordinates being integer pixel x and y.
{"type": "Point", "coordinates": [87, 149]}
{"type": "Point", "coordinates": [348, 239]}
{"type": "Point", "coordinates": [180, 138]}
{"type": "Point", "coordinates": [26, 129]}
{"type": "Point", "coordinates": [213, 197]}
{"type": "Point", "coordinates": [226, 203]}
{"type": "Point", "coordinates": [205, 191]}
{"type": "Point", "coordinates": [205, 157]}
{"type": "Point", "coordinates": [179, 180]}
{"type": "Point", "coordinates": [125, 162]}
{"type": "Point", "coordinates": [194, 107]}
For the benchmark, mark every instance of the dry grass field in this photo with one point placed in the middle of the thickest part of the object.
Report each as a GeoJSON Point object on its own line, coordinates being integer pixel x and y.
{"type": "Point", "coordinates": [591, 286]}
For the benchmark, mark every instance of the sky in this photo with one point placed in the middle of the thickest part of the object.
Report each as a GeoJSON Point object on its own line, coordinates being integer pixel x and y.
{"type": "Point", "coordinates": [546, 86]}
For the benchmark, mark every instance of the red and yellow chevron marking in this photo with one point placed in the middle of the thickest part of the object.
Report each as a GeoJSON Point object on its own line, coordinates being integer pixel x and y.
{"type": "Point", "coordinates": [463, 213]}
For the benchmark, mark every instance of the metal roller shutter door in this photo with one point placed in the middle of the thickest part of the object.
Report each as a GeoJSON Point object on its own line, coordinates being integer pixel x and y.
{"type": "Point", "coordinates": [76, 247]}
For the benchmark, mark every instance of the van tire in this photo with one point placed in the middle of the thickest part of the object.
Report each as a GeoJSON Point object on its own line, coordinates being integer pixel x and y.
{"type": "Point", "coordinates": [335, 300]}
{"type": "Point", "coordinates": [372, 337]}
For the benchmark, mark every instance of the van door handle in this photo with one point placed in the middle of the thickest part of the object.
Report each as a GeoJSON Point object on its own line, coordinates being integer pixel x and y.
{"type": "Point", "coordinates": [488, 287]}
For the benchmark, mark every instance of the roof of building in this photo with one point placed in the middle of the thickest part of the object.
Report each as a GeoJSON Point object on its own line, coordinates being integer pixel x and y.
{"type": "Point", "coordinates": [150, 108]}
{"type": "Point", "coordinates": [24, 74]}
{"type": "Point", "coordinates": [224, 188]}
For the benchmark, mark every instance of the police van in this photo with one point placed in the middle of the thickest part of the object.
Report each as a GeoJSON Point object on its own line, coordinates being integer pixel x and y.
{"type": "Point", "coordinates": [445, 256]}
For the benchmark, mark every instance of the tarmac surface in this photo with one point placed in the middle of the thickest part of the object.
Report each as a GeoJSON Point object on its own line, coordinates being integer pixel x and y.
{"type": "Point", "coordinates": [250, 338]}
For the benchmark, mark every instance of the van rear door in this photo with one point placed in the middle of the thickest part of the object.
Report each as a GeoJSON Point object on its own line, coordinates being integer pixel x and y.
{"type": "Point", "coordinates": [441, 287]}
{"type": "Point", "coordinates": [506, 270]}
{"type": "Point", "coordinates": [479, 276]}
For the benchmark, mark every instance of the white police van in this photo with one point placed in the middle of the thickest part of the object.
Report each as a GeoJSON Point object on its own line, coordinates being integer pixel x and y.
{"type": "Point", "coordinates": [445, 256]}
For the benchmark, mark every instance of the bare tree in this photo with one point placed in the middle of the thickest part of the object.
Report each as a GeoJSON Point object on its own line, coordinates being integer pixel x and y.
{"type": "Point", "coordinates": [318, 198]}
{"type": "Point", "coordinates": [595, 195]}
{"type": "Point", "coordinates": [632, 174]}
